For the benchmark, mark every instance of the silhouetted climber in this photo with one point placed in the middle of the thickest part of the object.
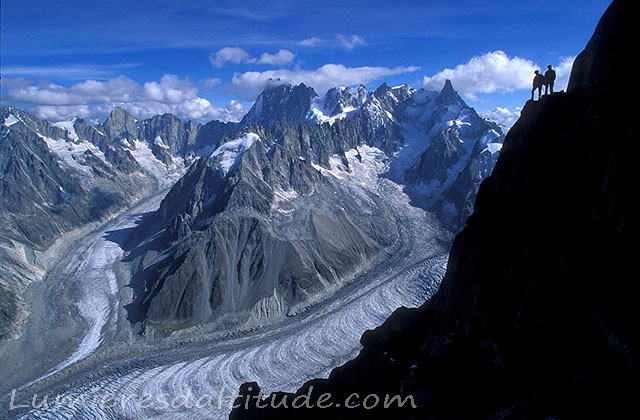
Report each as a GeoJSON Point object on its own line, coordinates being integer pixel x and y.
{"type": "Point", "coordinates": [549, 79]}
{"type": "Point", "coordinates": [538, 81]}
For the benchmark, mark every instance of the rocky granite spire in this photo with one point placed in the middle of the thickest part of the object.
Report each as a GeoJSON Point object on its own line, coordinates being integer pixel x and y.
{"type": "Point", "coordinates": [448, 95]}
{"type": "Point", "coordinates": [120, 125]}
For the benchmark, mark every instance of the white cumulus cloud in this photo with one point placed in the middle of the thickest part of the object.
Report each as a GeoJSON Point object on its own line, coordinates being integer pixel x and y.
{"type": "Point", "coordinates": [64, 112]}
{"type": "Point", "coordinates": [277, 59]}
{"type": "Point", "coordinates": [226, 55]}
{"type": "Point", "coordinates": [170, 90]}
{"type": "Point", "coordinates": [119, 89]}
{"type": "Point", "coordinates": [496, 72]}
{"type": "Point", "coordinates": [211, 82]}
{"type": "Point", "coordinates": [248, 85]}
{"type": "Point", "coordinates": [563, 71]}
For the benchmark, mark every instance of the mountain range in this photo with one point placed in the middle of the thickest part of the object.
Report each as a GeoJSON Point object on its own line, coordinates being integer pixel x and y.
{"type": "Point", "coordinates": [262, 217]}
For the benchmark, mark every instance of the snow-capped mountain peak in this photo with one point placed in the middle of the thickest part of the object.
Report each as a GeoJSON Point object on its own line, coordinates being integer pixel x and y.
{"type": "Point", "coordinates": [337, 104]}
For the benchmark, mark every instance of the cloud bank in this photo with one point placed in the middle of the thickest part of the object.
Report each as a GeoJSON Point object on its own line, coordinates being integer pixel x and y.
{"type": "Point", "coordinates": [563, 71]}
{"type": "Point", "coordinates": [94, 99]}
{"type": "Point", "coordinates": [493, 72]}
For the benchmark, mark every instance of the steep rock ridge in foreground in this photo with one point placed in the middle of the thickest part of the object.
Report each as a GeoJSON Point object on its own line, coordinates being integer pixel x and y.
{"type": "Point", "coordinates": [537, 314]}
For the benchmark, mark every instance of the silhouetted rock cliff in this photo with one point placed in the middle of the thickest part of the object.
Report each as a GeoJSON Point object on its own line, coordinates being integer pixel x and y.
{"type": "Point", "coordinates": [537, 314]}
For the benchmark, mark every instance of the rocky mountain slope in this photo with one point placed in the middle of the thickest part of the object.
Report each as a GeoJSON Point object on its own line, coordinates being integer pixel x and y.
{"type": "Point", "coordinates": [535, 315]}
{"type": "Point", "coordinates": [58, 177]}
{"type": "Point", "coordinates": [258, 227]}
{"type": "Point", "coordinates": [284, 211]}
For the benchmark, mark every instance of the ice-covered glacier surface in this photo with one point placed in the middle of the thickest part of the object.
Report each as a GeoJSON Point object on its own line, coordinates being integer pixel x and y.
{"type": "Point", "coordinates": [200, 378]}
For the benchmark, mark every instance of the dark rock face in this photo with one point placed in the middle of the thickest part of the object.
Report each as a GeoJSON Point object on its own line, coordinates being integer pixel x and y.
{"type": "Point", "coordinates": [170, 135]}
{"type": "Point", "coordinates": [166, 135]}
{"type": "Point", "coordinates": [120, 125]}
{"type": "Point", "coordinates": [537, 314]}
{"type": "Point", "coordinates": [8, 311]}
{"type": "Point", "coordinates": [280, 101]}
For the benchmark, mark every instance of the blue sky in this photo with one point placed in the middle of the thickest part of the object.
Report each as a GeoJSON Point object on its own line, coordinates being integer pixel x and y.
{"type": "Point", "coordinates": [209, 59]}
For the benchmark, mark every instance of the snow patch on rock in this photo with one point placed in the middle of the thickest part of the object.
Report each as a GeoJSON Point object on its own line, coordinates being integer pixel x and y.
{"type": "Point", "coordinates": [228, 154]}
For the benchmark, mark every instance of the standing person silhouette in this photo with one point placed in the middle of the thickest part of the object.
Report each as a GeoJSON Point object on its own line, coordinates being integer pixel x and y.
{"type": "Point", "coordinates": [549, 79]}
{"type": "Point", "coordinates": [538, 81]}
